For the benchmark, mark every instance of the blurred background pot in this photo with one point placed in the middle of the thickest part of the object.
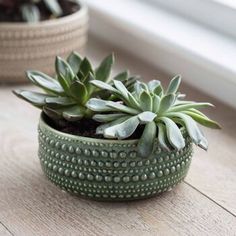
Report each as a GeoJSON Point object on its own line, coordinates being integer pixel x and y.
{"type": "Point", "coordinates": [26, 46]}
{"type": "Point", "coordinates": [109, 170]}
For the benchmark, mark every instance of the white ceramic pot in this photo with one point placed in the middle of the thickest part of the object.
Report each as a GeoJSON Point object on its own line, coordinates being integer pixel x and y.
{"type": "Point", "coordinates": [26, 46]}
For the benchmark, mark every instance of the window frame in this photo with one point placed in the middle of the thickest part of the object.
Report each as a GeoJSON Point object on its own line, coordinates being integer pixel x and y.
{"type": "Point", "coordinates": [205, 12]}
{"type": "Point", "coordinates": [205, 58]}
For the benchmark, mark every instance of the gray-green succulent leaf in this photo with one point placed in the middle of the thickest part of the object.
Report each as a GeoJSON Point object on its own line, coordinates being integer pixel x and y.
{"type": "Point", "coordinates": [54, 7]}
{"type": "Point", "coordinates": [162, 113]}
{"type": "Point", "coordinates": [30, 13]}
{"type": "Point", "coordinates": [65, 95]}
{"type": "Point", "coordinates": [104, 70]}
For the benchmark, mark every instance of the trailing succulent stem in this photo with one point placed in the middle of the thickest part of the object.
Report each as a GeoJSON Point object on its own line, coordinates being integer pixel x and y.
{"type": "Point", "coordinates": [65, 96]}
{"type": "Point", "coordinates": [163, 114]}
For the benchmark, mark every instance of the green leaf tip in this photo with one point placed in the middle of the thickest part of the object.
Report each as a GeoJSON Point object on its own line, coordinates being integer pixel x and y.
{"type": "Point", "coordinates": [147, 140]}
{"type": "Point", "coordinates": [174, 85]}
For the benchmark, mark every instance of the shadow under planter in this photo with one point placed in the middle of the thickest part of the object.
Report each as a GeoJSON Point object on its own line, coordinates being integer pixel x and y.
{"type": "Point", "coordinates": [109, 170]}
{"type": "Point", "coordinates": [34, 46]}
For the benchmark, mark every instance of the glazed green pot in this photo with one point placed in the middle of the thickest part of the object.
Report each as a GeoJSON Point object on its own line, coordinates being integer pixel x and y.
{"type": "Point", "coordinates": [109, 170]}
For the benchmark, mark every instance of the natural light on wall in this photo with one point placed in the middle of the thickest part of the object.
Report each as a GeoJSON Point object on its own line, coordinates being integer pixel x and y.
{"type": "Point", "coordinates": [195, 38]}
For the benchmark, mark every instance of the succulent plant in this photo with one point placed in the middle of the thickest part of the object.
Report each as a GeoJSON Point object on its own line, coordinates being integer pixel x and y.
{"type": "Point", "coordinates": [162, 113]}
{"type": "Point", "coordinates": [65, 96]}
{"type": "Point", "coordinates": [35, 10]}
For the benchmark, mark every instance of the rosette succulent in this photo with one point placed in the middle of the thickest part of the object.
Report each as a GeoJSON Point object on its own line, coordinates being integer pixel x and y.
{"type": "Point", "coordinates": [65, 96]}
{"type": "Point", "coordinates": [159, 113]}
{"type": "Point", "coordinates": [36, 10]}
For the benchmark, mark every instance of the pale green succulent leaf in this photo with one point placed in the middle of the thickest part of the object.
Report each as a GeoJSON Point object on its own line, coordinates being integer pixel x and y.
{"type": "Point", "coordinates": [153, 85]}
{"type": "Point", "coordinates": [121, 88]}
{"type": "Point", "coordinates": [180, 102]}
{"type": "Point", "coordinates": [203, 120]}
{"type": "Point", "coordinates": [178, 121]}
{"type": "Point", "coordinates": [174, 85]}
{"type": "Point", "coordinates": [64, 83]}
{"type": "Point", "coordinates": [104, 70]}
{"type": "Point", "coordinates": [198, 112]}
{"type": "Point", "coordinates": [107, 117]}
{"type": "Point", "coordinates": [35, 98]}
{"type": "Point", "coordinates": [139, 87]}
{"type": "Point", "coordinates": [45, 82]}
{"type": "Point", "coordinates": [74, 61]}
{"type": "Point", "coordinates": [174, 134]}
{"type": "Point", "coordinates": [137, 90]}
{"type": "Point", "coordinates": [54, 7]}
{"type": "Point", "coordinates": [73, 113]}
{"type": "Point", "coordinates": [147, 140]}
{"type": "Point", "coordinates": [189, 106]}
{"type": "Point", "coordinates": [146, 117]}
{"type": "Point", "coordinates": [59, 101]}
{"type": "Point", "coordinates": [102, 85]}
{"type": "Point", "coordinates": [70, 113]}
{"type": "Point", "coordinates": [122, 108]}
{"type": "Point", "coordinates": [158, 91]}
{"type": "Point", "coordinates": [79, 91]}
{"type": "Point", "coordinates": [30, 13]}
{"type": "Point", "coordinates": [130, 82]}
{"type": "Point", "coordinates": [122, 76]}
{"type": "Point", "coordinates": [90, 88]}
{"type": "Point", "coordinates": [98, 105]}
{"type": "Point", "coordinates": [156, 100]}
{"type": "Point", "coordinates": [80, 75]}
{"type": "Point", "coordinates": [55, 114]}
{"type": "Point", "coordinates": [133, 102]}
{"type": "Point", "coordinates": [63, 68]}
{"type": "Point", "coordinates": [145, 101]}
{"type": "Point", "coordinates": [85, 68]}
{"type": "Point", "coordinates": [192, 129]}
{"type": "Point", "coordinates": [162, 138]}
{"type": "Point", "coordinates": [100, 129]}
{"type": "Point", "coordinates": [166, 102]}
{"type": "Point", "coordinates": [122, 130]}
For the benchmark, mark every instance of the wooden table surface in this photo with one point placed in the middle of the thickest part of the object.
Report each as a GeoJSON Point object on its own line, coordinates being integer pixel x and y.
{"type": "Point", "coordinates": [204, 204]}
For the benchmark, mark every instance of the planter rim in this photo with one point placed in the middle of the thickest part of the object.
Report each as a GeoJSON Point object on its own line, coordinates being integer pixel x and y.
{"type": "Point", "coordinates": [42, 123]}
{"type": "Point", "coordinates": [81, 12]}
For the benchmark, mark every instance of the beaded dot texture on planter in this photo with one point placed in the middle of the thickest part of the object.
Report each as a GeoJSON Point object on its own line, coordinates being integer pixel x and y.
{"type": "Point", "coordinates": [109, 170]}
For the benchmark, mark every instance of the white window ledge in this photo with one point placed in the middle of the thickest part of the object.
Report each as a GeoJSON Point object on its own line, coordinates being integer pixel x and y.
{"type": "Point", "coordinates": [206, 59]}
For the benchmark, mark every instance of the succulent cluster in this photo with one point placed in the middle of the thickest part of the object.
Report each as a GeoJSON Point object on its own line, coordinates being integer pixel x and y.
{"type": "Point", "coordinates": [65, 96]}
{"type": "Point", "coordinates": [35, 10]}
{"type": "Point", "coordinates": [123, 104]}
{"type": "Point", "coordinates": [162, 113]}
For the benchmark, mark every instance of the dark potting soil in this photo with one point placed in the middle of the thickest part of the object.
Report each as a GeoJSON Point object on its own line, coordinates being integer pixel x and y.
{"type": "Point", "coordinates": [10, 10]}
{"type": "Point", "coordinates": [84, 127]}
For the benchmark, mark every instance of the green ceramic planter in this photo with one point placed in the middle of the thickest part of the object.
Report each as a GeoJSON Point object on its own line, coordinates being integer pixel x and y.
{"type": "Point", "coordinates": [109, 170]}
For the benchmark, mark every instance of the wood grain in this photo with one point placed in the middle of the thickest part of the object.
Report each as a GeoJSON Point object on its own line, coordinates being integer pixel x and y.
{"type": "Point", "coordinates": [31, 205]}
{"type": "Point", "coordinates": [4, 231]}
